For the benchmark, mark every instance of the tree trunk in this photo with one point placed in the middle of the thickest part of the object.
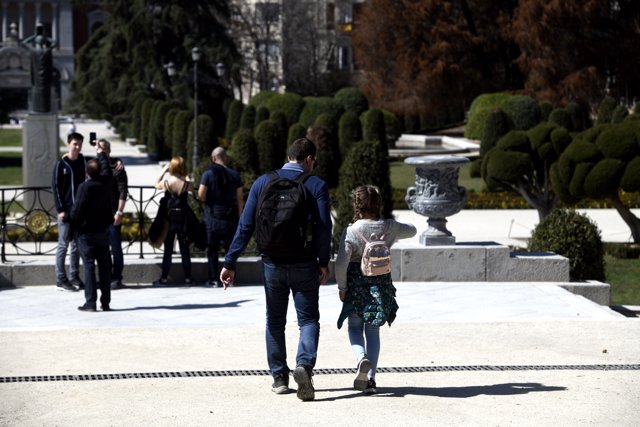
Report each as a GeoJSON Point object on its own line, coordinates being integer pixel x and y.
{"type": "Point", "coordinates": [627, 216]}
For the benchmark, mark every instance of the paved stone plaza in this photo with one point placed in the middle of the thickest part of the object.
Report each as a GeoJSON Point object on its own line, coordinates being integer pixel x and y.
{"type": "Point", "coordinates": [464, 353]}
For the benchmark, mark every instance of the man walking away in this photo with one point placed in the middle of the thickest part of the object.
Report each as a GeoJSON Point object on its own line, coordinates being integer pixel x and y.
{"type": "Point", "coordinates": [68, 173]}
{"type": "Point", "coordinates": [91, 217]}
{"type": "Point", "coordinates": [286, 266]}
{"type": "Point", "coordinates": [221, 191]}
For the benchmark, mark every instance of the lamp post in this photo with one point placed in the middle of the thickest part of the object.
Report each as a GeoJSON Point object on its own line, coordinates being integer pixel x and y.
{"type": "Point", "coordinates": [195, 56]}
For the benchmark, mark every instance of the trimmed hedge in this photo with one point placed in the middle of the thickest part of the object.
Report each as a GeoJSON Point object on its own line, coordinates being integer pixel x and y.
{"type": "Point", "coordinates": [575, 236]}
{"type": "Point", "coordinates": [352, 99]}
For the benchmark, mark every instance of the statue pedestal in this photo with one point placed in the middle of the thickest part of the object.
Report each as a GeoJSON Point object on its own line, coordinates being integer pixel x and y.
{"type": "Point", "coordinates": [40, 150]}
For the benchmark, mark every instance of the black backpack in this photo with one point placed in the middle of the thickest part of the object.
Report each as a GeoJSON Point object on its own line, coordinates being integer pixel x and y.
{"type": "Point", "coordinates": [283, 227]}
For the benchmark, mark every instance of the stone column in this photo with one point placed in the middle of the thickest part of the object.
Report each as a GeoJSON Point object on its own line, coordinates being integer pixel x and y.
{"type": "Point", "coordinates": [40, 150]}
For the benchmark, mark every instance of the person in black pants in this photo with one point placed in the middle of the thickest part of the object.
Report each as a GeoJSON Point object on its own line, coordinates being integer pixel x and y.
{"type": "Point", "coordinates": [91, 216]}
{"type": "Point", "coordinates": [221, 191]}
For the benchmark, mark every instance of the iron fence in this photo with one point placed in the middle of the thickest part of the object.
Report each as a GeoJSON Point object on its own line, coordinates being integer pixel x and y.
{"type": "Point", "coordinates": [29, 225]}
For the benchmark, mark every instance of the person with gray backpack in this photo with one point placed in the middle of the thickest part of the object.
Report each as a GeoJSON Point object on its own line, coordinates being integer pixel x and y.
{"type": "Point", "coordinates": [363, 273]}
{"type": "Point", "coordinates": [289, 211]}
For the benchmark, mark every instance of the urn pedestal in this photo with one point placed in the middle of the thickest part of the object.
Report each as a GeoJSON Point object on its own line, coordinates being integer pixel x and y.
{"type": "Point", "coordinates": [436, 195]}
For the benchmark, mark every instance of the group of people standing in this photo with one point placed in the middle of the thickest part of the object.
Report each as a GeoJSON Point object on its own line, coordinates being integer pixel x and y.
{"type": "Point", "coordinates": [89, 197]}
{"type": "Point", "coordinates": [368, 302]}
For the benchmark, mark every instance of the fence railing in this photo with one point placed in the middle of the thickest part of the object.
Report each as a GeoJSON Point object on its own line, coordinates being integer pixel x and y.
{"type": "Point", "coordinates": [29, 224]}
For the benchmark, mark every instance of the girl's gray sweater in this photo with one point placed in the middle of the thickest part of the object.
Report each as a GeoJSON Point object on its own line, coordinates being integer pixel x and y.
{"type": "Point", "coordinates": [352, 245]}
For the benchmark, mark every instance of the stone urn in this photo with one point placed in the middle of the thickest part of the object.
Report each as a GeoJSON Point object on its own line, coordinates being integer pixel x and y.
{"type": "Point", "coordinates": [436, 195]}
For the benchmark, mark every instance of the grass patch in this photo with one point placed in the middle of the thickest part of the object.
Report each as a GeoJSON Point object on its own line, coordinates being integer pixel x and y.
{"type": "Point", "coordinates": [403, 176]}
{"type": "Point", "coordinates": [10, 168]}
{"type": "Point", "coordinates": [10, 137]}
{"type": "Point", "coordinates": [624, 277]}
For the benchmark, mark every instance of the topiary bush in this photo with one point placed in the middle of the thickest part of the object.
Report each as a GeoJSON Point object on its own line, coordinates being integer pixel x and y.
{"type": "Point", "coordinates": [579, 114]}
{"type": "Point", "coordinates": [560, 117]}
{"type": "Point", "coordinates": [327, 161]}
{"type": "Point", "coordinates": [233, 119]}
{"type": "Point", "coordinates": [496, 126]}
{"type": "Point", "coordinates": [480, 108]}
{"type": "Point", "coordinates": [522, 110]}
{"type": "Point", "coordinates": [605, 110]}
{"type": "Point", "coordinates": [248, 118]}
{"type": "Point", "coordinates": [365, 163]}
{"type": "Point", "coordinates": [314, 106]}
{"type": "Point", "coordinates": [262, 114]}
{"type": "Point", "coordinates": [373, 129]}
{"type": "Point", "coordinates": [206, 140]}
{"type": "Point", "coordinates": [271, 150]}
{"type": "Point", "coordinates": [545, 109]}
{"type": "Point", "coordinates": [393, 127]}
{"type": "Point", "coordinates": [291, 104]}
{"type": "Point", "coordinates": [145, 120]}
{"type": "Point", "coordinates": [180, 133]}
{"type": "Point", "coordinates": [260, 99]}
{"type": "Point", "coordinates": [349, 132]}
{"type": "Point", "coordinates": [244, 155]}
{"type": "Point", "coordinates": [352, 99]}
{"type": "Point", "coordinates": [575, 236]}
{"type": "Point", "coordinates": [296, 131]}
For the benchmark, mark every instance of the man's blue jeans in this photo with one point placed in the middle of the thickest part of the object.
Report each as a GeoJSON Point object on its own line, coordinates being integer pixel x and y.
{"type": "Point", "coordinates": [115, 241]}
{"type": "Point", "coordinates": [302, 279]}
{"type": "Point", "coordinates": [61, 254]}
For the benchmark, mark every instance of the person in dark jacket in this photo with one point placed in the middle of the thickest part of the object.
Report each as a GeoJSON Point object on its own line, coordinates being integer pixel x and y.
{"type": "Point", "coordinates": [221, 191]}
{"type": "Point", "coordinates": [119, 194]}
{"type": "Point", "coordinates": [301, 274]}
{"type": "Point", "coordinates": [91, 217]}
{"type": "Point", "coordinates": [68, 173]}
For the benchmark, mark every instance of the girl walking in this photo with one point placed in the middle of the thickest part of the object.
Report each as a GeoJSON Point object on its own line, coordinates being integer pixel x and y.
{"type": "Point", "coordinates": [368, 301]}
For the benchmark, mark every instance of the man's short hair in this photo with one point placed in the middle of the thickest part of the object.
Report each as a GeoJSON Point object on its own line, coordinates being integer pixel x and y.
{"type": "Point", "coordinates": [74, 135]}
{"type": "Point", "coordinates": [93, 169]}
{"type": "Point", "coordinates": [219, 154]}
{"type": "Point", "coordinates": [300, 149]}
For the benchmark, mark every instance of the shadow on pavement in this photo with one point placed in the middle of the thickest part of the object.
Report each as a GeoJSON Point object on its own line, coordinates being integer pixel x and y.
{"type": "Point", "coordinates": [184, 306]}
{"type": "Point", "coordinates": [452, 392]}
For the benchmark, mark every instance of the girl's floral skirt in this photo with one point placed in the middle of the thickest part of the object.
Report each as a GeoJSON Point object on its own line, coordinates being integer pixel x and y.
{"type": "Point", "coordinates": [371, 298]}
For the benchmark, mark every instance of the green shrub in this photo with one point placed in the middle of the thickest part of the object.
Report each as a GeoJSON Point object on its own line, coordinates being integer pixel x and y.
{"type": "Point", "coordinates": [180, 133]}
{"type": "Point", "coordinates": [560, 117]}
{"type": "Point", "coordinates": [522, 110]}
{"type": "Point", "coordinates": [233, 119]}
{"type": "Point", "coordinates": [604, 178]}
{"type": "Point", "coordinates": [262, 114]}
{"type": "Point", "coordinates": [271, 150]}
{"type": "Point", "coordinates": [296, 131]}
{"type": "Point", "coordinates": [349, 132]}
{"type": "Point", "coordinates": [373, 129]}
{"type": "Point", "coordinates": [136, 117]}
{"type": "Point", "coordinates": [393, 127]}
{"type": "Point", "coordinates": [168, 130]}
{"type": "Point", "coordinates": [352, 99]}
{"type": "Point", "coordinates": [619, 114]}
{"type": "Point", "coordinates": [283, 129]}
{"type": "Point", "coordinates": [244, 152]}
{"type": "Point", "coordinates": [366, 163]}
{"type": "Point", "coordinates": [545, 109]}
{"type": "Point", "coordinates": [574, 236]}
{"type": "Point", "coordinates": [480, 108]}
{"type": "Point", "coordinates": [327, 158]}
{"type": "Point", "coordinates": [619, 141]}
{"type": "Point", "coordinates": [291, 104]}
{"type": "Point", "coordinates": [579, 114]}
{"type": "Point", "coordinates": [145, 120]}
{"type": "Point", "coordinates": [605, 110]}
{"type": "Point", "coordinates": [630, 180]}
{"type": "Point", "coordinates": [260, 99]}
{"type": "Point", "coordinates": [496, 126]}
{"type": "Point", "coordinates": [515, 140]}
{"type": "Point", "coordinates": [248, 118]}
{"type": "Point", "coordinates": [314, 106]}
{"type": "Point", "coordinates": [206, 140]}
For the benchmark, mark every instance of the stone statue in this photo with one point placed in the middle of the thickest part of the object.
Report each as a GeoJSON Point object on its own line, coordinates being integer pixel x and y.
{"type": "Point", "coordinates": [41, 48]}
